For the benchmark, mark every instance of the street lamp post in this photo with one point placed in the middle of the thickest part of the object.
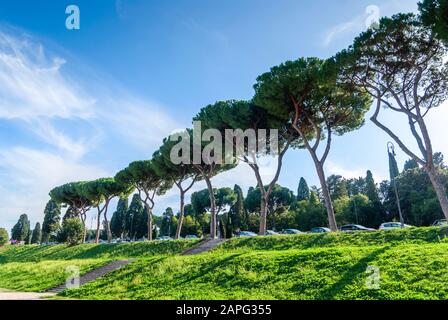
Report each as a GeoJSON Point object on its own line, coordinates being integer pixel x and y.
{"type": "Point", "coordinates": [391, 152]}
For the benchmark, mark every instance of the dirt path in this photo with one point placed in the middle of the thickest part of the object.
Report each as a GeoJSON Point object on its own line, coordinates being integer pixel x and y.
{"type": "Point", "coordinates": [203, 247]}
{"type": "Point", "coordinates": [11, 295]}
{"type": "Point", "coordinates": [94, 274]}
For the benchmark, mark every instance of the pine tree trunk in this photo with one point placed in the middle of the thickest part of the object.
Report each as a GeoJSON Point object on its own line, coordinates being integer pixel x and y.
{"type": "Point", "coordinates": [327, 198]}
{"type": "Point", "coordinates": [149, 212]}
{"type": "Point", "coordinates": [108, 232]}
{"type": "Point", "coordinates": [83, 220]}
{"type": "Point", "coordinates": [97, 238]}
{"type": "Point", "coordinates": [181, 215]}
{"type": "Point", "coordinates": [439, 188]}
{"type": "Point", "coordinates": [212, 208]}
{"type": "Point", "coordinates": [263, 214]}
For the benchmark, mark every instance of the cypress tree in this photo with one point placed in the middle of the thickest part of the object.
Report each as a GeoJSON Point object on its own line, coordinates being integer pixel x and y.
{"type": "Point", "coordinates": [118, 220]}
{"type": "Point", "coordinates": [36, 237]}
{"type": "Point", "coordinates": [371, 189]}
{"type": "Point", "coordinates": [303, 192]}
{"type": "Point", "coordinates": [134, 217]}
{"type": "Point", "coordinates": [21, 229]}
{"type": "Point", "coordinates": [52, 217]}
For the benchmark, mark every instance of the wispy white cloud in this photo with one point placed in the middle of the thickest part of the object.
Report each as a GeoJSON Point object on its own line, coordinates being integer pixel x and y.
{"type": "Point", "coordinates": [32, 83]}
{"type": "Point", "coordinates": [364, 20]}
{"type": "Point", "coordinates": [74, 118]}
{"type": "Point", "coordinates": [27, 175]}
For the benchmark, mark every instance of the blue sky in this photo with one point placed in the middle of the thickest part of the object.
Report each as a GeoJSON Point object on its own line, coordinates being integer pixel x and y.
{"type": "Point", "coordinates": [81, 104]}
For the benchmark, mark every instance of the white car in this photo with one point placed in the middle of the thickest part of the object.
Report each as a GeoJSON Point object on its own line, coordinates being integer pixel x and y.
{"type": "Point", "coordinates": [392, 226]}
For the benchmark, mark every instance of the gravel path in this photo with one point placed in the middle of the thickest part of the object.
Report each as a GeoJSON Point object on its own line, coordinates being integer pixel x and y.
{"type": "Point", "coordinates": [203, 247]}
{"type": "Point", "coordinates": [94, 274]}
{"type": "Point", "coordinates": [11, 295]}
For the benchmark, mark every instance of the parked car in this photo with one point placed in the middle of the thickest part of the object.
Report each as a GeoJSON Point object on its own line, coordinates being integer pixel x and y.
{"type": "Point", "coordinates": [191, 236]}
{"type": "Point", "coordinates": [440, 223]}
{"type": "Point", "coordinates": [392, 226]}
{"type": "Point", "coordinates": [247, 234]}
{"type": "Point", "coordinates": [354, 227]}
{"type": "Point", "coordinates": [271, 233]}
{"type": "Point", "coordinates": [164, 238]}
{"type": "Point", "coordinates": [291, 231]}
{"type": "Point", "coordinates": [320, 230]}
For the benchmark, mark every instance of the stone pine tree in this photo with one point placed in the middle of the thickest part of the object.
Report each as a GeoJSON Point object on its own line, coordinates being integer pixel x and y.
{"type": "Point", "coordinates": [402, 66]}
{"type": "Point", "coordinates": [51, 223]}
{"type": "Point", "coordinates": [307, 94]}
{"type": "Point", "coordinates": [143, 176]}
{"type": "Point", "coordinates": [303, 191]}
{"type": "Point", "coordinates": [203, 151]}
{"type": "Point", "coordinates": [183, 175]}
{"type": "Point", "coordinates": [36, 236]}
{"type": "Point", "coordinates": [252, 133]}
{"type": "Point", "coordinates": [100, 192]}
{"type": "Point", "coordinates": [71, 195]}
{"type": "Point", "coordinates": [21, 230]}
{"type": "Point", "coordinates": [434, 14]}
{"type": "Point", "coordinates": [118, 220]}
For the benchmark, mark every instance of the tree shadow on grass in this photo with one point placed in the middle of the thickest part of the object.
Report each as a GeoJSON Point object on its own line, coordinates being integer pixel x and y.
{"type": "Point", "coordinates": [210, 267]}
{"type": "Point", "coordinates": [351, 274]}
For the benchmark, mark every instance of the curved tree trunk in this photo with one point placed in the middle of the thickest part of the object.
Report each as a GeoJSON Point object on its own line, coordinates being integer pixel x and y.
{"type": "Point", "coordinates": [108, 231]}
{"type": "Point", "coordinates": [212, 208]}
{"type": "Point", "coordinates": [439, 188]}
{"type": "Point", "coordinates": [98, 224]}
{"type": "Point", "coordinates": [83, 220]}
{"type": "Point", "coordinates": [263, 215]}
{"type": "Point", "coordinates": [327, 198]}
{"type": "Point", "coordinates": [149, 212]}
{"type": "Point", "coordinates": [181, 214]}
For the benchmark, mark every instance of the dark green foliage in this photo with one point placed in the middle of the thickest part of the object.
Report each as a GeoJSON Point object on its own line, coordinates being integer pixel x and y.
{"type": "Point", "coordinates": [410, 164]}
{"type": "Point", "coordinates": [21, 230]}
{"type": "Point", "coordinates": [360, 210]}
{"type": "Point", "coordinates": [52, 217]}
{"type": "Point", "coordinates": [434, 14]}
{"type": "Point", "coordinates": [118, 220]}
{"type": "Point", "coordinates": [371, 188]}
{"type": "Point", "coordinates": [303, 192]}
{"type": "Point", "coordinates": [168, 223]}
{"type": "Point", "coordinates": [4, 237]}
{"type": "Point", "coordinates": [438, 160]}
{"type": "Point", "coordinates": [309, 214]}
{"type": "Point", "coordinates": [36, 237]}
{"type": "Point", "coordinates": [417, 197]}
{"type": "Point", "coordinates": [337, 186]}
{"type": "Point", "coordinates": [238, 213]}
{"type": "Point", "coordinates": [72, 231]}
{"type": "Point", "coordinates": [136, 219]}
{"type": "Point", "coordinates": [393, 167]}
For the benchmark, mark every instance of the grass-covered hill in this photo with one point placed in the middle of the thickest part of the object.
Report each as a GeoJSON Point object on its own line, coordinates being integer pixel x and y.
{"type": "Point", "coordinates": [38, 268]}
{"type": "Point", "coordinates": [412, 265]}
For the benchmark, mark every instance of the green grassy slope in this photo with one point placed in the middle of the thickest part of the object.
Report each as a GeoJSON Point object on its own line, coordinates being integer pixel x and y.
{"type": "Point", "coordinates": [407, 272]}
{"type": "Point", "coordinates": [307, 241]}
{"type": "Point", "coordinates": [37, 268]}
{"type": "Point", "coordinates": [114, 251]}
{"type": "Point", "coordinates": [413, 264]}
{"type": "Point", "coordinates": [40, 276]}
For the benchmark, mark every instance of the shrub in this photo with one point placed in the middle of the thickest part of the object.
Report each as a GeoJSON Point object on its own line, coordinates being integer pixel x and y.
{"type": "Point", "coordinates": [3, 237]}
{"type": "Point", "coordinates": [72, 231]}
